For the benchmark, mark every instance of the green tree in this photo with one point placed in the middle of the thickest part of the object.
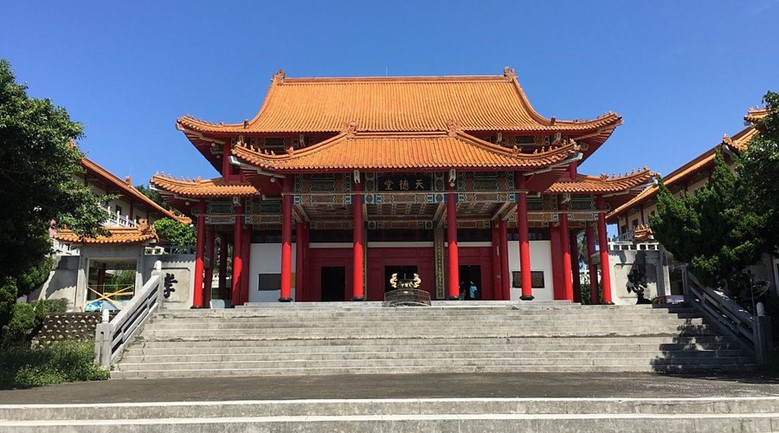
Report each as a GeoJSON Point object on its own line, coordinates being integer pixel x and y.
{"type": "Point", "coordinates": [758, 170]}
{"type": "Point", "coordinates": [153, 195]}
{"type": "Point", "coordinates": [711, 230]}
{"type": "Point", "coordinates": [38, 164]}
{"type": "Point", "coordinates": [174, 232]}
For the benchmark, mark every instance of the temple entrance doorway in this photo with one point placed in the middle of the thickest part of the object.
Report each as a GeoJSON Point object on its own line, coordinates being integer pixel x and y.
{"type": "Point", "coordinates": [110, 283]}
{"type": "Point", "coordinates": [333, 283]}
{"type": "Point", "coordinates": [384, 261]}
{"type": "Point", "coordinates": [470, 285]}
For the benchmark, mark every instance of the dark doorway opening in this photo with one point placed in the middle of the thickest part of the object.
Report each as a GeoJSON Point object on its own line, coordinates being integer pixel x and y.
{"type": "Point", "coordinates": [470, 282]}
{"type": "Point", "coordinates": [405, 272]}
{"type": "Point", "coordinates": [333, 283]}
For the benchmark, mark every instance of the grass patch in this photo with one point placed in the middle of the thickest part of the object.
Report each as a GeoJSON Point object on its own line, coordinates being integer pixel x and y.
{"type": "Point", "coordinates": [25, 367]}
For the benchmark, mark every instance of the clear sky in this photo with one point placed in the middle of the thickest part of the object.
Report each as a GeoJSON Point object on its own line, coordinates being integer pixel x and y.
{"type": "Point", "coordinates": [681, 73]}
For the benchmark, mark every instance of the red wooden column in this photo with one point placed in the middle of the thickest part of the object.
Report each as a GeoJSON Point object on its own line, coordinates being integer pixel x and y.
{"type": "Point", "coordinates": [524, 238]}
{"type": "Point", "coordinates": [577, 283]}
{"type": "Point", "coordinates": [451, 234]}
{"type": "Point", "coordinates": [200, 247]}
{"type": "Point", "coordinates": [101, 277]}
{"type": "Point", "coordinates": [565, 243]}
{"type": "Point", "coordinates": [358, 253]}
{"type": "Point", "coordinates": [246, 244]}
{"type": "Point", "coordinates": [235, 285]}
{"type": "Point", "coordinates": [222, 267]}
{"type": "Point", "coordinates": [603, 245]}
{"type": "Point", "coordinates": [505, 270]}
{"type": "Point", "coordinates": [286, 239]}
{"type": "Point", "coordinates": [209, 277]}
{"type": "Point", "coordinates": [226, 167]}
{"type": "Point", "coordinates": [589, 235]}
{"type": "Point", "coordinates": [300, 235]}
{"type": "Point", "coordinates": [307, 266]}
{"type": "Point", "coordinates": [497, 258]}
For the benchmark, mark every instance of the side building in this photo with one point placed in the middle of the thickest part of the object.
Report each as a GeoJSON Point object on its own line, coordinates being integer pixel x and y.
{"type": "Point", "coordinates": [339, 183]}
{"type": "Point", "coordinates": [102, 272]}
{"type": "Point", "coordinates": [634, 244]}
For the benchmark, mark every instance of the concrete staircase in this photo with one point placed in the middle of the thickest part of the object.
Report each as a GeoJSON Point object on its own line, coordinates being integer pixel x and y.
{"type": "Point", "coordinates": [710, 415]}
{"type": "Point", "coordinates": [348, 338]}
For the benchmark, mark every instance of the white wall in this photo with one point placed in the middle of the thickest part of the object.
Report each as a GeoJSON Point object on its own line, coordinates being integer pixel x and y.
{"type": "Point", "coordinates": [540, 260]}
{"type": "Point", "coordinates": [266, 259]}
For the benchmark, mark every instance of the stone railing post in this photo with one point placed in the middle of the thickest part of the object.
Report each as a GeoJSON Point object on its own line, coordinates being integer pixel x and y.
{"type": "Point", "coordinates": [103, 337]}
{"type": "Point", "coordinates": [157, 271]}
{"type": "Point", "coordinates": [761, 332]}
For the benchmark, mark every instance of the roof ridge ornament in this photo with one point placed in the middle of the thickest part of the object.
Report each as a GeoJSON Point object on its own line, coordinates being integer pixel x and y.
{"type": "Point", "coordinates": [350, 128]}
{"type": "Point", "coordinates": [278, 77]}
{"type": "Point", "coordinates": [509, 73]}
{"type": "Point", "coordinates": [452, 127]}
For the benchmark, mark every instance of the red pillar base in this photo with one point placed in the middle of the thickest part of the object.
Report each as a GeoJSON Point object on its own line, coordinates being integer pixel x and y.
{"type": "Point", "coordinates": [527, 297]}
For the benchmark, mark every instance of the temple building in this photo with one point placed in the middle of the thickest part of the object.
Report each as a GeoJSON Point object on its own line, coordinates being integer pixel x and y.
{"type": "Point", "coordinates": [632, 217]}
{"type": "Point", "coordinates": [339, 183]}
{"type": "Point", "coordinates": [99, 272]}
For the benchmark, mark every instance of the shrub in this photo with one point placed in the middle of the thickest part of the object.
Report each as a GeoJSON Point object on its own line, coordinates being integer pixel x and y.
{"type": "Point", "coordinates": [23, 367]}
{"type": "Point", "coordinates": [21, 325]}
{"type": "Point", "coordinates": [27, 319]}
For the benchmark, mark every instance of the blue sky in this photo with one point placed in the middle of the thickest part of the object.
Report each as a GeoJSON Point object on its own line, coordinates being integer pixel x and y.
{"type": "Point", "coordinates": [681, 73]}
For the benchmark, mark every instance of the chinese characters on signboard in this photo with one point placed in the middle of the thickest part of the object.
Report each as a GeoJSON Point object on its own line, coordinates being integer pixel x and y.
{"type": "Point", "coordinates": [401, 182]}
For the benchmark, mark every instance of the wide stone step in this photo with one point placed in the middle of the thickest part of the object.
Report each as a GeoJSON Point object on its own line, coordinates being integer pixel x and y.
{"type": "Point", "coordinates": [358, 407]}
{"type": "Point", "coordinates": [428, 355]}
{"type": "Point", "coordinates": [734, 365]}
{"type": "Point", "coordinates": [423, 312]}
{"type": "Point", "coordinates": [399, 365]}
{"type": "Point", "coordinates": [492, 332]}
{"type": "Point", "coordinates": [389, 315]}
{"type": "Point", "coordinates": [229, 341]}
{"type": "Point", "coordinates": [273, 323]}
{"type": "Point", "coordinates": [378, 347]}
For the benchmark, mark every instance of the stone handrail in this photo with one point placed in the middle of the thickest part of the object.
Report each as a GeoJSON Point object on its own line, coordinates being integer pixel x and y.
{"type": "Point", "coordinates": [111, 337]}
{"type": "Point", "coordinates": [116, 219]}
{"type": "Point", "coordinates": [754, 332]}
{"type": "Point", "coordinates": [169, 250]}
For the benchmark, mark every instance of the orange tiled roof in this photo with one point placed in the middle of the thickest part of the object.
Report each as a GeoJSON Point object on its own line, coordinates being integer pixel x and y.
{"type": "Point", "coordinates": [198, 188]}
{"type": "Point", "coordinates": [411, 104]}
{"type": "Point", "coordinates": [738, 142]}
{"type": "Point", "coordinates": [755, 114]}
{"type": "Point", "coordinates": [399, 151]}
{"type": "Point", "coordinates": [604, 184]}
{"type": "Point", "coordinates": [127, 188]}
{"type": "Point", "coordinates": [118, 235]}
{"type": "Point", "coordinates": [741, 140]}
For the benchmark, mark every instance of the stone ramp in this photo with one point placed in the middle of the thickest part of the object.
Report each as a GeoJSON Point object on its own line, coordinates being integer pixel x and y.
{"type": "Point", "coordinates": [455, 337]}
{"type": "Point", "coordinates": [709, 415]}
